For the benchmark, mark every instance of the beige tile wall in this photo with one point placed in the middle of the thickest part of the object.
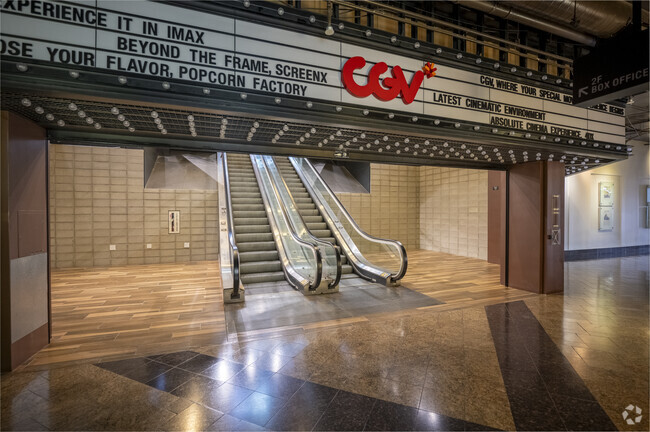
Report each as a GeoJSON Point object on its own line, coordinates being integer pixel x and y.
{"type": "Point", "coordinates": [453, 211]}
{"type": "Point", "coordinates": [391, 209]}
{"type": "Point", "coordinates": [97, 199]}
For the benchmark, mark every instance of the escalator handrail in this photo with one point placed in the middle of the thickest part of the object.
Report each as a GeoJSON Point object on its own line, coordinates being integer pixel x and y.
{"type": "Point", "coordinates": [309, 234]}
{"type": "Point", "coordinates": [231, 234]}
{"type": "Point", "coordinates": [402, 250]}
{"type": "Point", "coordinates": [315, 250]}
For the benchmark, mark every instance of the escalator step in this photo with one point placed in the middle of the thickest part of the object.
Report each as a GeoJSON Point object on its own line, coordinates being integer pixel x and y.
{"type": "Point", "coordinates": [260, 267]}
{"type": "Point", "coordinates": [237, 214]}
{"type": "Point", "coordinates": [247, 200]}
{"type": "Point", "coordinates": [251, 221]}
{"type": "Point", "coordinates": [253, 237]}
{"type": "Point", "coordinates": [346, 269]}
{"type": "Point", "coordinates": [262, 277]}
{"type": "Point", "coordinates": [244, 229]}
{"type": "Point", "coordinates": [256, 246]}
{"type": "Point", "coordinates": [244, 207]}
{"type": "Point", "coordinates": [260, 256]}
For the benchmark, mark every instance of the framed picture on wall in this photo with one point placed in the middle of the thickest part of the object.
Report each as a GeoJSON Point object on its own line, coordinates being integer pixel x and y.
{"type": "Point", "coordinates": [174, 222]}
{"type": "Point", "coordinates": [606, 194]}
{"type": "Point", "coordinates": [605, 219]}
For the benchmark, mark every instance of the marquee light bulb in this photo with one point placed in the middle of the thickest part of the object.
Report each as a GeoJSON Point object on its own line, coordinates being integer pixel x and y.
{"type": "Point", "coordinates": [329, 30]}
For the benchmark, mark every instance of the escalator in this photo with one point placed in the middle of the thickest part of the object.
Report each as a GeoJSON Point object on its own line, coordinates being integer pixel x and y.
{"type": "Point", "coordinates": [375, 259]}
{"type": "Point", "coordinates": [312, 216]}
{"type": "Point", "coordinates": [280, 223]}
{"type": "Point", "coordinates": [258, 255]}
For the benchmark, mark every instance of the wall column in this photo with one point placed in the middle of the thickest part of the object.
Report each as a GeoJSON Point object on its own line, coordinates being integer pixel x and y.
{"type": "Point", "coordinates": [535, 257]}
{"type": "Point", "coordinates": [24, 295]}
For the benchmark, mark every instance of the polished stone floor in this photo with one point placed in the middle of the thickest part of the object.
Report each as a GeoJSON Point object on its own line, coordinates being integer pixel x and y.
{"type": "Point", "coordinates": [559, 362]}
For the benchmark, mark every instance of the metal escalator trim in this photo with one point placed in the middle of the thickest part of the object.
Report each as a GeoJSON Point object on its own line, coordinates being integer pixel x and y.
{"type": "Point", "coordinates": [400, 247]}
{"type": "Point", "coordinates": [291, 274]}
{"type": "Point", "coordinates": [231, 235]}
{"type": "Point", "coordinates": [313, 238]}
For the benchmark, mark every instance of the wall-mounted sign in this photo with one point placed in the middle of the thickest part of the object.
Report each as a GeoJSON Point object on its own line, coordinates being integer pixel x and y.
{"type": "Point", "coordinates": [174, 222]}
{"type": "Point", "coordinates": [618, 68]}
{"type": "Point", "coordinates": [388, 88]}
{"type": "Point", "coordinates": [605, 194]}
{"type": "Point", "coordinates": [165, 42]}
{"type": "Point", "coordinates": [605, 219]}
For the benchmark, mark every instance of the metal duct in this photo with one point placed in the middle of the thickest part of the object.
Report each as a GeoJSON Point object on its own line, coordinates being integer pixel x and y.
{"type": "Point", "coordinates": [598, 18]}
{"type": "Point", "coordinates": [507, 12]}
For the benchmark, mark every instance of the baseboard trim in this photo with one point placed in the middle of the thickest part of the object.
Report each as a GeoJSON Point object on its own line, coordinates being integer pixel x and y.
{"type": "Point", "coordinates": [602, 253]}
{"type": "Point", "coordinates": [28, 345]}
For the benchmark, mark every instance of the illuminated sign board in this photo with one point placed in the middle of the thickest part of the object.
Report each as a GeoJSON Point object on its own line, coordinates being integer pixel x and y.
{"type": "Point", "coordinates": [166, 42]}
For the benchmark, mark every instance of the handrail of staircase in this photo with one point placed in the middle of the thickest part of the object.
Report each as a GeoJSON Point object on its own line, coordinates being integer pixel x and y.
{"type": "Point", "coordinates": [315, 250]}
{"type": "Point", "coordinates": [400, 247]}
{"type": "Point", "coordinates": [312, 237]}
{"type": "Point", "coordinates": [231, 234]}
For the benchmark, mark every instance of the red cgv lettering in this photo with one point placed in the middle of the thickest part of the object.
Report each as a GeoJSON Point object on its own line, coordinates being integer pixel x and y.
{"type": "Point", "coordinates": [392, 86]}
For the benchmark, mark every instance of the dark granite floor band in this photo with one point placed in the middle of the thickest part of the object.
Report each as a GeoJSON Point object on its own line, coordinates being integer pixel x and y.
{"type": "Point", "coordinates": [544, 391]}
{"type": "Point", "coordinates": [248, 398]}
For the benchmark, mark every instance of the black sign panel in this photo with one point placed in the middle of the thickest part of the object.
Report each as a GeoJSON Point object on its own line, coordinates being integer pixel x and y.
{"type": "Point", "coordinates": [617, 69]}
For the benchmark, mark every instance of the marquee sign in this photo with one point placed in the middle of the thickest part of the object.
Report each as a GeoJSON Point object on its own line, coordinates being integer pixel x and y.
{"type": "Point", "coordinates": [166, 42]}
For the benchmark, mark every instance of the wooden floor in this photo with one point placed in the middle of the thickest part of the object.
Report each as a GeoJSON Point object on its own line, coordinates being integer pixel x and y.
{"type": "Point", "coordinates": [119, 311]}
{"type": "Point", "coordinates": [104, 313]}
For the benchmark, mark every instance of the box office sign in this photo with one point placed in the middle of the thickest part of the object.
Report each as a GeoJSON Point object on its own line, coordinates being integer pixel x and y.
{"type": "Point", "coordinates": [167, 42]}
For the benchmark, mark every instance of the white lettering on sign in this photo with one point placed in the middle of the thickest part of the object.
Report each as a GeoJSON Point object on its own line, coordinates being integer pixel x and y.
{"type": "Point", "coordinates": [162, 41]}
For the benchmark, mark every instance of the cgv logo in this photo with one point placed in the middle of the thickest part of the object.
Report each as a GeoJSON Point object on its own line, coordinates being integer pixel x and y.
{"type": "Point", "coordinates": [388, 88]}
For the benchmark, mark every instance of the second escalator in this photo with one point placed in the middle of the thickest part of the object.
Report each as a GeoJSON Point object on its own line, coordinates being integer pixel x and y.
{"type": "Point", "coordinates": [308, 210]}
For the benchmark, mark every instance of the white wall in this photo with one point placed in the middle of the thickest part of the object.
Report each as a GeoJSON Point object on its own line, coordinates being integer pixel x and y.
{"type": "Point", "coordinates": [630, 177]}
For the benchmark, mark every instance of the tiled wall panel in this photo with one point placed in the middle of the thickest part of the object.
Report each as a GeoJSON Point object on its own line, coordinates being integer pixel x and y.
{"type": "Point", "coordinates": [97, 198]}
{"type": "Point", "coordinates": [391, 209]}
{"type": "Point", "coordinates": [453, 211]}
